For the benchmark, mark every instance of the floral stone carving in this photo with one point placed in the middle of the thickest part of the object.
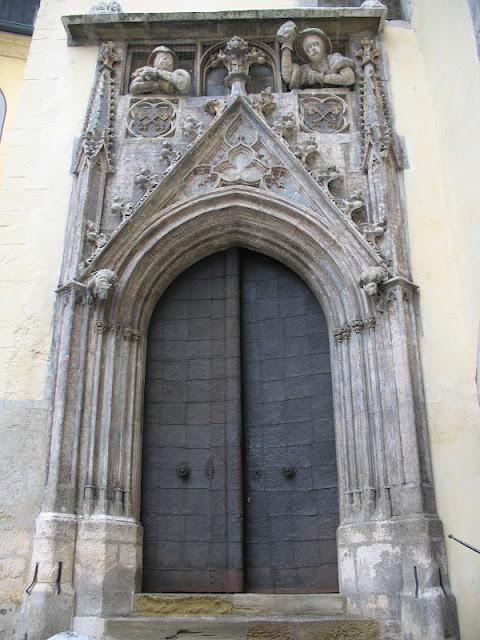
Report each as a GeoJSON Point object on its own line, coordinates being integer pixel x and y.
{"type": "Point", "coordinates": [122, 209]}
{"type": "Point", "coordinates": [327, 114]}
{"type": "Point", "coordinates": [192, 128]}
{"type": "Point", "coordinates": [216, 106]}
{"type": "Point", "coordinates": [145, 179]}
{"type": "Point", "coordinates": [161, 75]}
{"type": "Point", "coordinates": [353, 203]}
{"type": "Point", "coordinates": [321, 67]}
{"type": "Point", "coordinates": [97, 239]}
{"type": "Point", "coordinates": [264, 104]}
{"type": "Point", "coordinates": [149, 118]}
{"type": "Point", "coordinates": [286, 128]}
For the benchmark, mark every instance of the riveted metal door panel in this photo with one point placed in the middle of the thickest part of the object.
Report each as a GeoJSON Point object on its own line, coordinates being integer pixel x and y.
{"type": "Point", "coordinates": [191, 476]}
{"type": "Point", "coordinates": [291, 502]}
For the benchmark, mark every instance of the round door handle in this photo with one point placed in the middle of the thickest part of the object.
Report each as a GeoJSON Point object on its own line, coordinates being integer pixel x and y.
{"type": "Point", "coordinates": [183, 471]}
{"type": "Point", "coordinates": [289, 471]}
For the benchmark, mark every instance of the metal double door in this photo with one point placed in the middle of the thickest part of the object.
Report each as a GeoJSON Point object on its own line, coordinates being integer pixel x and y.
{"type": "Point", "coordinates": [239, 482]}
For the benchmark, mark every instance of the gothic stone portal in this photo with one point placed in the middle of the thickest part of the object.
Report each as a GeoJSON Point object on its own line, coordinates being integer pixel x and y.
{"type": "Point", "coordinates": [323, 198]}
{"type": "Point", "coordinates": [239, 485]}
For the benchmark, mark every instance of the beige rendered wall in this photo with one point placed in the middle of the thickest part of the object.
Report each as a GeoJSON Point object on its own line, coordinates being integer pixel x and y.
{"type": "Point", "coordinates": [13, 55]}
{"type": "Point", "coordinates": [435, 85]}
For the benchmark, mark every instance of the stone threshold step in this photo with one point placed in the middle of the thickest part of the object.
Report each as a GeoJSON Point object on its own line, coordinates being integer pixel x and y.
{"type": "Point", "coordinates": [239, 628]}
{"type": "Point", "coordinates": [222, 604]}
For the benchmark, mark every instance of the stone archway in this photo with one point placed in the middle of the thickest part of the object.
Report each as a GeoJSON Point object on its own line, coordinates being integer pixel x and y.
{"type": "Point", "coordinates": [239, 479]}
{"type": "Point", "coordinates": [87, 553]}
{"type": "Point", "coordinates": [385, 491]}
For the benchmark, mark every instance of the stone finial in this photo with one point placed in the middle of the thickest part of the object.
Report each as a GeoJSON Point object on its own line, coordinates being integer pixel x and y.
{"type": "Point", "coordinates": [322, 67]}
{"type": "Point", "coordinates": [101, 283]}
{"type": "Point", "coordinates": [237, 57]}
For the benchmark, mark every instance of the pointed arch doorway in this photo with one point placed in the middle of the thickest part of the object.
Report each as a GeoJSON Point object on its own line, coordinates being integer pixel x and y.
{"type": "Point", "coordinates": [239, 479]}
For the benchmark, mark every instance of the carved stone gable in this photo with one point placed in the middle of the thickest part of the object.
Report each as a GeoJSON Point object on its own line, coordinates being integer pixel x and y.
{"type": "Point", "coordinates": [239, 148]}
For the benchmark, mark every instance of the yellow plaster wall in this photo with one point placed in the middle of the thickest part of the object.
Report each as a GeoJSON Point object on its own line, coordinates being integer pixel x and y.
{"type": "Point", "coordinates": [13, 55]}
{"type": "Point", "coordinates": [34, 199]}
{"type": "Point", "coordinates": [435, 87]}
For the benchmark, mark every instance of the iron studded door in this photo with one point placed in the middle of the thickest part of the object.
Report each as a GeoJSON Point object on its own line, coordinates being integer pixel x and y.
{"type": "Point", "coordinates": [291, 503]}
{"type": "Point", "coordinates": [191, 476]}
{"type": "Point", "coordinates": [239, 475]}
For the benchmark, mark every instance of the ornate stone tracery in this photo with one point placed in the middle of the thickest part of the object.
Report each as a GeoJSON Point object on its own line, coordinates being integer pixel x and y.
{"type": "Point", "coordinates": [256, 175]}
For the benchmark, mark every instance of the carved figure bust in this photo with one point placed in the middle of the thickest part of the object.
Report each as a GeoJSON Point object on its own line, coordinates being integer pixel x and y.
{"type": "Point", "coordinates": [101, 283]}
{"type": "Point", "coordinates": [160, 75]}
{"type": "Point", "coordinates": [322, 67]}
{"type": "Point", "coordinates": [371, 279]}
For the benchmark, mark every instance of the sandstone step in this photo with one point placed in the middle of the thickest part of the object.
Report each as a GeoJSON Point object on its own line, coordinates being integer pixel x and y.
{"type": "Point", "coordinates": [263, 604]}
{"type": "Point", "coordinates": [240, 628]}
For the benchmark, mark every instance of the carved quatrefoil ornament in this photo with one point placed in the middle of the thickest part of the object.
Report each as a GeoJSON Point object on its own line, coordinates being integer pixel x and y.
{"type": "Point", "coordinates": [149, 118]}
{"type": "Point", "coordinates": [328, 114]}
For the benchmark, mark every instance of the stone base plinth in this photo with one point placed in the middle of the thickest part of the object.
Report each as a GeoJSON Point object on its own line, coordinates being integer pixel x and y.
{"type": "Point", "coordinates": [248, 604]}
{"type": "Point", "coordinates": [240, 628]}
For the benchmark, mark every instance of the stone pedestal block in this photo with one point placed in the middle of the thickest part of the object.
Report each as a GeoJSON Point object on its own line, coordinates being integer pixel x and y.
{"type": "Point", "coordinates": [108, 565]}
{"type": "Point", "coordinates": [396, 570]}
{"type": "Point", "coordinates": [50, 597]}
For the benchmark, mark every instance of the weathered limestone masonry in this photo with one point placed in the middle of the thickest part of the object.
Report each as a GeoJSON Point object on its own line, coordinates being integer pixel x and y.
{"type": "Point", "coordinates": [309, 176]}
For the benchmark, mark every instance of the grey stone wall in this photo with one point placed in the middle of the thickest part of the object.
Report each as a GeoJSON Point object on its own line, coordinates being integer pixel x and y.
{"type": "Point", "coordinates": [23, 438]}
